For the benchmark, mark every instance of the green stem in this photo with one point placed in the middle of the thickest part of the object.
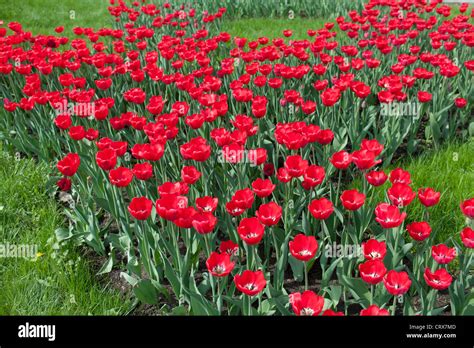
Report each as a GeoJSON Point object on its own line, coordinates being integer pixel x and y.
{"type": "Point", "coordinates": [305, 275]}
{"type": "Point", "coordinates": [394, 307]}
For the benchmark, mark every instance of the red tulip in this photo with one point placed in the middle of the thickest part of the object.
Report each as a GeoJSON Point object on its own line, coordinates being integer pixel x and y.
{"type": "Point", "coordinates": [121, 176]}
{"type": "Point", "coordinates": [443, 254]}
{"type": "Point", "coordinates": [439, 279]}
{"type": "Point", "coordinates": [189, 174]}
{"type": "Point", "coordinates": [314, 175]}
{"type": "Point", "coordinates": [106, 159]}
{"type": "Point", "coordinates": [307, 303]}
{"type": "Point", "coordinates": [330, 96]}
{"type": "Point", "coordinates": [69, 165]}
{"type": "Point", "coordinates": [364, 159]}
{"type": "Point", "coordinates": [169, 206]}
{"type": "Point", "coordinates": [251, 230]}
{"type": "Point", "coordinates": [64, 184]}
{"type": "Point", "coordinates": [140, 208]}
{"type": "Point", "coordinates": [428, 197]}
{"type": "Point", "coordinates": [243, 198]}
{"type": "Point", "coordinates": [204, 223]}
{"type": "Point", "coordinates": [372, 145]}
{"type": "Point", "coordinates": [341, 159]}
{"type": "Point", "coordinates": [229, 247]}
{"type": "Point", "coordinates": [331, 313]}
{"type": "Point", "coordinates": [295, 165]}
{"type": "Point", "coordinates": [196, 149]}
{"type": "Point", "coordinates": [372, 271]}
{"type": "Point", "coordinates": [460, 102]}
{"type": "Point", "coordinates": [389, 216]}
{"type": "Point", "coordinates": [352, 199]}
{"type": "Point", "coordinates": [374, 250]}
{"type": "Point", "coordinates": [207, 204]}
{"type": "Point", "coordinates": [250, 283]}
{"type": "Point", "coordinates": [303, 247]}
{"type": "Point", "coordinates": [321, 208]}
{"type": "Point", "coordinates": [269, 214]}
{"type": "Point", "coordinates": [424, 97]}
{"type": "Point", "coordinates": [263, 187]}
{"type": "Point", "coordinates": [419, 231]}
{"type": "Point", "coordinates": [401, 195]}
{"type": "Point", "coordinates": [467, 237]}
{"type": "Point", "coordinates": [373, 310]}
{"type": "Point", "coordinates": [376, 178]}
{"type": "Point", "coordinates": [219, 265]}
{"type": "Point", "coordinates": [400, 176]}
{"type": "Point", "coordinates": [397, 283]}
{"type": "Point", "coordinates": [467, 208]}
{"type": "Point", "coordinates": [143, 171]}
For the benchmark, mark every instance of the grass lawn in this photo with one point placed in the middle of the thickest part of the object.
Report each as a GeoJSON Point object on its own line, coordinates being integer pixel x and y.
{"type": "Point", "coordinates": [253, 28]}
{"type": "Point", "coordinates": [41, 17]}
{"type": "Point", "coordinates": [58, 281]}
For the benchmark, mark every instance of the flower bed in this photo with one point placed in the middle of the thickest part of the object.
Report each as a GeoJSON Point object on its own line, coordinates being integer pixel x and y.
{"type": "Point", "coordinates": [214, 170]}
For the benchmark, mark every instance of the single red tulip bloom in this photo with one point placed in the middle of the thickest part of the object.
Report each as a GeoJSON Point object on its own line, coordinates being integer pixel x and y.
{"type": "Point", "coordinates": [314, 175]}
{"type": "Point", "coordinates": [439, 279]}
{"type": "Point", "coordinates": [140, 208]}
{"type": "Point", "coordinates": [306, 303]}
{"type": "Point", "coordinates": [341, 160]}
{"type": "Point", "coordinates": [269, 214]}
{"type": "Point", "coordinates": [204, 223]}
{"type": "Point", "coordinates": [419, 231]}
{"type": "Point", "coordinates": [69, 165]}
{"type": "Point", "coordinates": [389, 216]}
{"type": "Point", "coordinates": [364, 159]}
{"type": "Point", "coordinates": [372, 271]}
{"type": "Point", "coordinates": [295, 166]}
{"type": "Point", "coordinates": [397, 283]}
{"type": "Point", "coordinates": [219, 265]}
{"type": "Point", "coordinates": [428, 197]}
{"type": "Point", "coordinates": [467, 208]}
{"type": "Point", "coordinates": [400, 176]}
{"type": "Point", "coordinates": [467, 237]}
{"type": "Point", "coordinates": [374, 250]}
{"type": "Point", "coordinates": [263, 187]}
{"type": "Point", "coordinates": [424, 97]}
{"type": "Point", "coordinates": [443, 254]}
{"type": "Point", "coordinates": [401, 195]}
{"type": "Point", "coordinates": [376, 178]}
{"type": "Point", "coordinates": [143, 171]}
{"type": "Point", "coordinates": [321, 208]}
{"type": "Point", "coordinates": [243, 198]}
{"type": "Point", "coordinates": [352, 199]}
{"type": "Point", "coordinates": [207, 204]}
{"type": "Point", "coordinates": [251, 230]}
{"type": "Point", "coordinates": [303, 247]}
{"type": "Point", "coordinates": [121, 176]}
{"type": "Point", "coordinates": [373, 310]}
{"type": "Point", "coordinates": [189, 174]}
{"type": "Point", "coordinates": [250, 283]}
{"type": "Point", "coordinates": [229, 247]}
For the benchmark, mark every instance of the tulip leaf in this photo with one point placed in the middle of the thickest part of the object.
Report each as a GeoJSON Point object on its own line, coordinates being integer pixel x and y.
{"type": "Point", "coordinates": [146, 292]}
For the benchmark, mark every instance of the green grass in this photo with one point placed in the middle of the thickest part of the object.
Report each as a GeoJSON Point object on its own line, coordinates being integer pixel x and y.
{"type": "Point", "coordinates": [253, 28]}
{"type": "Point", "coordinates": [449, 170]}
{"type": "Point", "coordinates": [41, 17]}
{"type": "Point", "coordinates": [60, 282]}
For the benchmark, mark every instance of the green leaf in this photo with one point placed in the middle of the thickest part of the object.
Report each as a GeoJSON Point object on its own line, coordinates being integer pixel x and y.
{"type": "Point", "coordinates": [146, 292]}
{"type": "Point", "coordinates": [107, 266]}
{"type": "Point", "coordinates": [297, 267]}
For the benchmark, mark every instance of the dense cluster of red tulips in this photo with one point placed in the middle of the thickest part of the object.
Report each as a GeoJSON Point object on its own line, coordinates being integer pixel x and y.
{"type": "Point", "coordinates": [222, 170]}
